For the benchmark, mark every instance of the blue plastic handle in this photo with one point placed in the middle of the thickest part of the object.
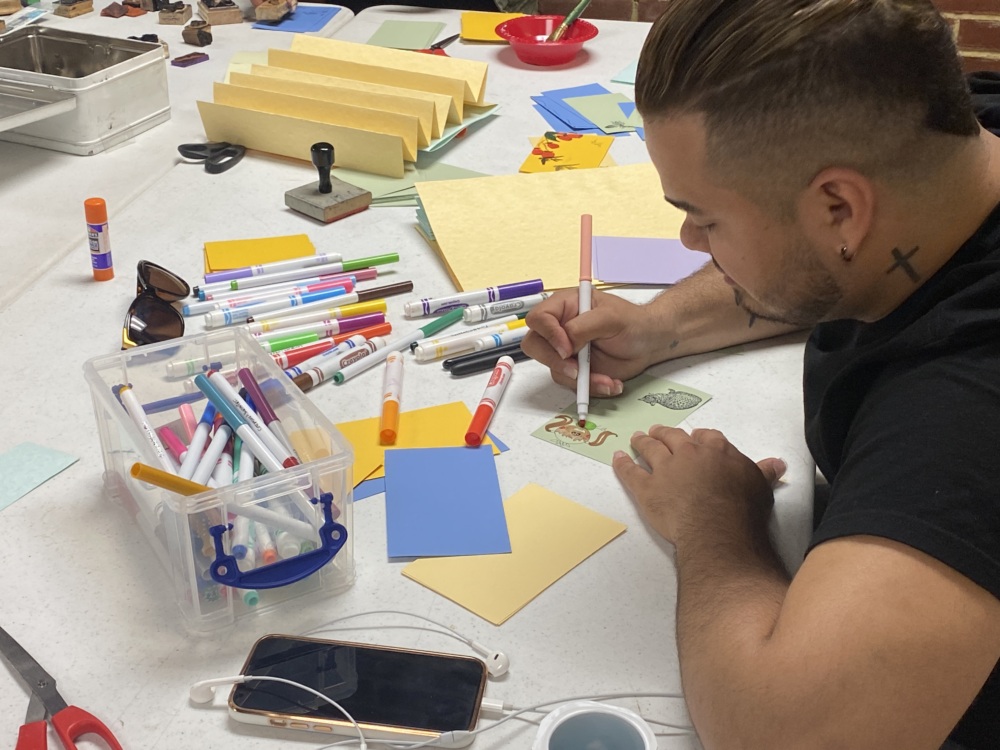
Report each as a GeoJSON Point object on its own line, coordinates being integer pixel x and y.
{"type": "Point", "coordinates": [225, 569]}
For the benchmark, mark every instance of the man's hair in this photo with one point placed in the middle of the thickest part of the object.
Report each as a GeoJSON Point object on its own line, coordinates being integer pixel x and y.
{"type": "Point", "coordinates": [787, 88]}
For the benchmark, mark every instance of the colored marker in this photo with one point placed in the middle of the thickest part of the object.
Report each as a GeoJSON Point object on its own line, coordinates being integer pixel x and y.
{"type": "Point", "coordinates": [400, 287]}
{"type": "Point", "coordinates": [488, 403]}
{"type": "Point", "coordinates": [325, 328]}
{"type": "Point", "coordinates": [334, 351]}
{"type": "Point", "coordinates": [262, 269]}
{"type": "Point", "coordinates": [288, 358]}
{"type": "Point", "coordinates": [426, 331]}
{"type": "Point", "coordinates": [206, 465]}
{"type": "Point", "coordinates": [436, 305]}
{"type": "Point", "coordinates": [493, 310]}
{"type": "Point", "coordinates": [264, 325]}
{"type": "Point", "coordinates": [266, 294]}
{"type": "Point", "coordinates": [172, 443]}
{"type": "Point", "coordinates": [264, 409]}
{"type": "Point", "coordinates": [286, 543]}
{"type": "Point", "coordinates": [266, 550]}
{"type": "Point", "coordinates": [101, 264]}
{"type": "Point", "coordinates": [188, 420]}
{"type": "Point", "coordinates": [392, 390]}
{"type": "Point", "coordinates": [583, 357]}
{"type": "Point", "coordinates": [482, 330]}
{"type": "Point", "coordinates": [315, 375]}
{"type": "Point", "coordinates": [345, 266]}
{"type": "Point", "coordinates": [186, 368]}
{"type": "Point", "coordinates": [246, 463]}
{"type": "Point", "coordinates": [138, 415]}
{"type": "Point", "coordinates": [496, 340]}
{"type": "Point", "coordinates": [166, 480]}
{"type": "Point", "coordinates": [463, 343]}
{"type": "Point", "coordinates": [484, 361]}
{"type": "Point", "coordinates": [228, 316]}
{"type": "Point", "coordinates": [197, 445]}
{"type": "Point", "coordinates": [241, 537]}
{"type": "Point", "coordinates": [222, 474]}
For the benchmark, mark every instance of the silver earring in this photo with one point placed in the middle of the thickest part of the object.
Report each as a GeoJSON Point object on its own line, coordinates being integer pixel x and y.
{"type": "Point", "coordinates": [845, 254]}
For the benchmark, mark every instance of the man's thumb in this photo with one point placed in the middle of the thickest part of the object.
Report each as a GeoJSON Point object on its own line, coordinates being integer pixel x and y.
{"type": "Point", "coordinates": [773, 469]}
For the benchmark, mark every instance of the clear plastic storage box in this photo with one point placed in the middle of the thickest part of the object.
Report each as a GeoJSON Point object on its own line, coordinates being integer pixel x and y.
{"type": "Point", "coordinates": [306, 509]}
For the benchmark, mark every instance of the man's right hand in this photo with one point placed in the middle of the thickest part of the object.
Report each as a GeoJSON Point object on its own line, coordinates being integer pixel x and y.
{"type": "Point", "coordinates": [619, 333]}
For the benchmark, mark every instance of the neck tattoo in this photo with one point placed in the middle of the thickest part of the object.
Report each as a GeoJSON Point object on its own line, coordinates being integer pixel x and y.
{"type": "Point", "coordinates": [903, 261]}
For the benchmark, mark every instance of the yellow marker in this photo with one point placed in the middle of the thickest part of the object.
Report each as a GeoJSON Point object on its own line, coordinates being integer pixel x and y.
{"type": "Point", "coordinates": [166, 480]}
{"type": "Point", "coordinates": [392, 391]}
{"type": "Point", "coordinates": [462, 342]}
{"type": "Point", "coordinates": [277, 322]}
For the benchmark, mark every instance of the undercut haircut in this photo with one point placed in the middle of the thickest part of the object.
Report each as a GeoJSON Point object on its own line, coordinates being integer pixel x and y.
{"type": "Point", "coordinates": [787, 88]}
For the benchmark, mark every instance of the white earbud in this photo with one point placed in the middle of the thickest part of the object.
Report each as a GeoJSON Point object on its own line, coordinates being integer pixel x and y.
{"type": "Point", "coordinates": [497, 662]}
{"type": "Point", "coordinates": [204, 691]}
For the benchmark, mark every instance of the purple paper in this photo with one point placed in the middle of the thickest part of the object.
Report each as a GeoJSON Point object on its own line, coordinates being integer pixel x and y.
{"type": "Point", "coordinates": [644, 260]}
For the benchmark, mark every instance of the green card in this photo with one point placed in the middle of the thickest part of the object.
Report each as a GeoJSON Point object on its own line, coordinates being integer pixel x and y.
{"type": "Point", "coordinates": [603, 111]}
{"type": "Point", "coordinates": [406, 34]}
{"type": "Point", "coordinates": [647, 400]}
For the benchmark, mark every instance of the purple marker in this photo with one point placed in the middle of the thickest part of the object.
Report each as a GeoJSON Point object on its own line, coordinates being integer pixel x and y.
{"type": "Point", "coordinates": [325, 328]}
{"type": "Point", "coordinates": [266, 268]}
{"type": "Point", "coordinates": [435, 306]}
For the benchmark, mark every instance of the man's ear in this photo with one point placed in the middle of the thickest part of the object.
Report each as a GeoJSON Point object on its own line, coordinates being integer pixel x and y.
{"type": "Point", "coordinates": [838, 208]}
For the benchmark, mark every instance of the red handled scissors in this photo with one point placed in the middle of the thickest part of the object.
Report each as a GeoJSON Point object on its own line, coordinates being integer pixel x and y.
{"type": "Point", "coordinates": [47, 705]}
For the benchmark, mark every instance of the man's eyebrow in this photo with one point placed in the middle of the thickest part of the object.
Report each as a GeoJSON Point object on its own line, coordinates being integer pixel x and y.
{"type": "Point", "coordinates": [683, 206]}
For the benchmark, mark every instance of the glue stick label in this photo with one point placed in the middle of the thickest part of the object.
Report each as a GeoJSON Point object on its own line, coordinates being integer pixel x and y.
{"type": "Point", "coordinates": [100, 247]}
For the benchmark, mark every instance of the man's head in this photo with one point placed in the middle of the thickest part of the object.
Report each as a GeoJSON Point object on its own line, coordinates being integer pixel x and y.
{"type": "Point", "coordinates": [788, 99]}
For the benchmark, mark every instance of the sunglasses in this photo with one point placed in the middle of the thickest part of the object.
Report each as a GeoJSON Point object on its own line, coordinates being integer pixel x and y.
{"type": "Point", "coordinates": [151, 317]}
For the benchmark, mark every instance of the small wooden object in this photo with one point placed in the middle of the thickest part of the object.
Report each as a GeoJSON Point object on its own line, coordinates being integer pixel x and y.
{"type": "Point", "coordinates": [329, 199]}
{"type": "Point", "coordinates": [72, 10]}
{"type": "Point", "coordinates": [175, 14]}
{"type": "Point", "coordinates": [222, 12]}
{"type": "Point", "coordinates": [274, 10]}
{"type": "Point", "coordinates": [198, 33]}
{"type": "Point", "coordinates": [134, 11]}
{"type": "Point", "coordinates": [114, 10]}
{"type": "Point", "coordinates": [191, 58]}
{"type": "Point", "coordinates": [9, 6]}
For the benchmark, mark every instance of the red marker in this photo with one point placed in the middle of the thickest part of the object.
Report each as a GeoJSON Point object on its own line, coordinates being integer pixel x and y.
{"type": "Point", "coordinates": [488, 403]}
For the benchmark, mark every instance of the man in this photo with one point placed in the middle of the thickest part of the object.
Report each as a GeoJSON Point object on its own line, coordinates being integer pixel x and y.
{"type": "Point", "coordinates": [827, 155]}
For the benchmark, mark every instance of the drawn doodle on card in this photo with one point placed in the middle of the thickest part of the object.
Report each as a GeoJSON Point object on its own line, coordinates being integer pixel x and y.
{"type": "Point", "coordinates": [567, 432]}
{"type": "Point", "coordinates": [678, 400]}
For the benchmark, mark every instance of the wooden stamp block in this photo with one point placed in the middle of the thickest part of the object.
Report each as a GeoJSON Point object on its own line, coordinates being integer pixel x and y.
{"type": "Point", "coordinates": [343, 200]}
{"type": "Point", "coordinates": [114, 10]}
{"type": "Point", "coordinates": [9, 6]}
{"type": "Point", "coordinates": [222, 12]}
{"type": "Point", "coordinates": [274, 10]}
{"type": "Point", "coordinates": [198, 33]}
{"type": "Point", "coordinates": [175, 14]}
{"type": "Point", "coordinates": [191, 58]}
{"type": "Point", "coordinates": [74, 9]}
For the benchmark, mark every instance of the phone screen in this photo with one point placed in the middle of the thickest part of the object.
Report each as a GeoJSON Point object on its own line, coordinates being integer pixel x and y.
{"type": "Point", "coordinates": [376, 685]}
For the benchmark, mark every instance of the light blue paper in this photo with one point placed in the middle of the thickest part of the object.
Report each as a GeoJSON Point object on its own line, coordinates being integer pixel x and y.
{"type": "Point", "coordinates": [26, 466]}
{"type": "Point", "coordinates": [628, 108]}
{"type": "Point", "coordinates": [443, 502]}
{"type": "Point", "coordinates": [627, 75]}
{"type": "Point", "coordinates": [368, 488]}
{"type": "Point", "coordinates": [301, 20]}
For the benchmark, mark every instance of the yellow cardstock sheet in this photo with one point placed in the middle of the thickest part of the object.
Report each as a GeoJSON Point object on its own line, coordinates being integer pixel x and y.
{"type": "Point", "coordinates": [407, 79]}
{"type": "Point", "coordinates": [557, 151]}
{"type": "Point", "coordinates": [472, 73]}
{"type": "Point", "coordinates": [498, 230]}
{"type": "Point", "coordinates": [322, 110]}
{"type": "Point", "coordinates": [363, 150]}
{"type": "Point", "coordinates": [441, 426]}
{"type": "Point", "coordinates": [549, 536]}
{"type": "Point", "coordinates": [226, 254]}
{"type": "Point", "coordinates": [409, 106]}
{"type": "Point", "coordinates": [480, 26]}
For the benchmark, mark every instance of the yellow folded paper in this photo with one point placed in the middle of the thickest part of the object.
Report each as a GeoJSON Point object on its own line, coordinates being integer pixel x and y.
{"type": "Point", "coordinates": [549, 536]}
{"type": "Point", "coordinates": [441, 426]}
{"type": "Point", "coordinates": [480, 26]}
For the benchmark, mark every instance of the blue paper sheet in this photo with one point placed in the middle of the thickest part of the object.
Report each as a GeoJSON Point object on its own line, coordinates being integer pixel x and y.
{"type": "Point", "coordinates": [561, 127]}
{"type": "Point", "coordinates": [301, 20]}
{"type": "Point", "coordinates": [553, 101]}
{"type": "Point", "coordinates": [27, 466]}
{"type": "Point", "coordinates": [443, 502]}
{"type": "Point", "coordinates": [628, 108]}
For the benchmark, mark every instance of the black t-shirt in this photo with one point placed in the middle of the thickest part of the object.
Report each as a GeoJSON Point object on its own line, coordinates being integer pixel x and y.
{"type": "Point", "coordinates": [903, 419]}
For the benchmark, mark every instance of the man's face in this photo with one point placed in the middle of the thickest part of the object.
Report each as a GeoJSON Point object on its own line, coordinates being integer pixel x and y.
{"type": "Point", "coordinates": [776, 273]}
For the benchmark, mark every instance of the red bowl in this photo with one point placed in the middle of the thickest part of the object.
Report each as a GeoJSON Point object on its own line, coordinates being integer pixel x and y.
{"type": "Point", "coordinates": [527, 35]}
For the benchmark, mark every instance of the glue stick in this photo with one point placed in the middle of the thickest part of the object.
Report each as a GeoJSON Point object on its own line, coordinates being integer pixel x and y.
{"type": "Point", "coordinates": [97, 234]}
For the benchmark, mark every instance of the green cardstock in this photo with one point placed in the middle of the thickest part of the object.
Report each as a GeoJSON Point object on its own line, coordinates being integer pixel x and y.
{"type": "Point", "coordinates": [603, 111]}
{"type": "Point", "coordinates": [26, 466]}
{"type": "Point", "coordinates": [646, 400]}
{"type": "Point", "coordinates": [406, 34]}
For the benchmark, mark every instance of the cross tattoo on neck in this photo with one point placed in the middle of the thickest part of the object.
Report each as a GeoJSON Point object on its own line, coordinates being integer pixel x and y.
{"type": "Point", "coordinates": [903, 261]}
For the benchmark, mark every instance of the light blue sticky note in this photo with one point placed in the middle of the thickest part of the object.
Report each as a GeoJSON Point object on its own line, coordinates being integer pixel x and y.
{"type": "Point", "coordinates": [442, 502]}
{"type": "Point", "coordinates": [27, 466]}
{"type": "Point", "coordinates": [368, 488]}
{"type": "Point", "coordinates": [302, 19]}
{"type": "Point", "coordinates": [627, 75]}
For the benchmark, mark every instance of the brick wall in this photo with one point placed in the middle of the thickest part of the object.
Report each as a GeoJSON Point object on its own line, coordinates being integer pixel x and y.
{"type": "Point", "coordinates": [977, 28]}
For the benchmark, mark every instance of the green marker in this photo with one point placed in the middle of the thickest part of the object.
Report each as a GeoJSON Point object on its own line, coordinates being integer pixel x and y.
{"type": "Point", "coordinates": [400, 345]}
{"type": "Point", "coordinates": [326, 269]}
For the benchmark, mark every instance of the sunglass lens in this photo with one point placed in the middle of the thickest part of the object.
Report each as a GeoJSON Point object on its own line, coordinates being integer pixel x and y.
{"type": "Point", "coordinates": [149, 320]}
{"type": "Point", "coordinates": [167, 285]}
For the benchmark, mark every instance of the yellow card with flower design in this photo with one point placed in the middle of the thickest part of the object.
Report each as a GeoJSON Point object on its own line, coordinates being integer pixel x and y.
{"type": "Point", "coordinates": [557, 151]}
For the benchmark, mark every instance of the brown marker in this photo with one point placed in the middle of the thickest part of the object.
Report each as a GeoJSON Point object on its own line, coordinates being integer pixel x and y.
{"type": "Point", "coordinates": [329, 365]}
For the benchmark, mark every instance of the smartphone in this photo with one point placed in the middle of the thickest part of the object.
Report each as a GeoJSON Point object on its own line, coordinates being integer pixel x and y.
{"type": "Point", "coordinates": [392, 693]}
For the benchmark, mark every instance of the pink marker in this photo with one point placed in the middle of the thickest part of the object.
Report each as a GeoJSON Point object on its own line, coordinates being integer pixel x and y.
{"type": "Point", "coordinates": [188, 420]}
{"type": "Point", "coordinates": [173, 443]}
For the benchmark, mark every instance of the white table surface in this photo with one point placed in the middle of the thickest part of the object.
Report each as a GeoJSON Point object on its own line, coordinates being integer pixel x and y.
{"type": "Point", "coordinates": [82, 594]}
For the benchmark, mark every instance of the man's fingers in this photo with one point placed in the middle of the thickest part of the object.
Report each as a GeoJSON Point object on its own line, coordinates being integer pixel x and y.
{"type": "Point", "coordinates": [627, 470]}
{"type": "Point", "coordinates": [773, 469]}
{"type": "Point", "coordinates": [546, 321]}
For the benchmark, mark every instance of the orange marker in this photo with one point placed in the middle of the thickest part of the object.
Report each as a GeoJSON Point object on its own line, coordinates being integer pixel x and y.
{"type": "Point", "coordinates": [488, 404]}
{"type": "Point", "coordinates": [392, 390]}
{"type": "Point", "coordinates": [96, 212]}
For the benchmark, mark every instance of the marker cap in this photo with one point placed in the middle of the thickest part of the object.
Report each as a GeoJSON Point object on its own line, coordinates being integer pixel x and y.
{"type": "Point", "coordinates": [390, 415]}
{"type": "Point", "coordinates": [477, 428]}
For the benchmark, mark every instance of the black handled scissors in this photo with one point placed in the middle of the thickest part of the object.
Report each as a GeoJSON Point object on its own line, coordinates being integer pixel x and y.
{"type": "Point", "coordinates": [218, 157]}
{"type": "Point", "coordinates": [46, 705]}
